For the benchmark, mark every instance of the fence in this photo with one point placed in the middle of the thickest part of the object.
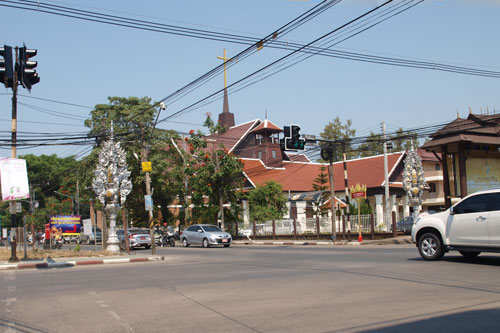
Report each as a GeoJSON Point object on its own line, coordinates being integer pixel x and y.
{"type": "Point", "coordinates": [313, 226]}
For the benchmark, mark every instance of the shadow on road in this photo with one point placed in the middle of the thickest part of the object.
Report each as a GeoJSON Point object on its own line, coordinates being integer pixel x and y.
{"type": "Point", "coordinates": [467, 321]}
{"type": "Point", "coordinates": [480, 260]}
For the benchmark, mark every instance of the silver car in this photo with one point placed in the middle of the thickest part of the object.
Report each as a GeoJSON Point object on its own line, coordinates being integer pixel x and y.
{"type": "Point", "coordinates": [136, 237]}
{"type": "Point", "coordinates": [205, 235]}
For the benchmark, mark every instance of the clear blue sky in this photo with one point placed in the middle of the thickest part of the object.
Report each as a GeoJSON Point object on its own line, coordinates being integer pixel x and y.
{"type": "Point", "coordinates": [84, 62]}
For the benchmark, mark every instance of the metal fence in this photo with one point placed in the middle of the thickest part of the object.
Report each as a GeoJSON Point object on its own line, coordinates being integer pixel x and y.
{"type": "Point", "coordinates": [309, 226]}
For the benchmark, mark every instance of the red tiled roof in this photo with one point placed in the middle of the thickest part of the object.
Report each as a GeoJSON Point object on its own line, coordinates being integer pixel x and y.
{"type": "Point", "coordinates": [298, 157]}
{"type": "Point", "coordinates": [233, 135]}
{"type": "Point", "coordinates": [299, 176]}
{"type": "Point", "coordinates": [266, 124]}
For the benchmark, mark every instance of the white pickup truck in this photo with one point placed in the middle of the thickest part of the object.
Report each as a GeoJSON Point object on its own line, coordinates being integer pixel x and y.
{"type": "Point", "coordinates": [471, 226]}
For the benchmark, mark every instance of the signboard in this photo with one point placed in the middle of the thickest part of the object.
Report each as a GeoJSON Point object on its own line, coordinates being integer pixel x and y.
{"type": "Point", "coordinates": [146, 166]}
{"type": "Point", "coordinates": [483, 173]}
{"type": "Point", "coordinates": [148, 201]}
{"type": "Point", "coordinates": [87, 227]}
{"type": "Point", "coordinates": [360, 194]}
{"type": "Point", "coordinates": [14, 177]}
{"type": "Point", "coordinates": [68, 225]}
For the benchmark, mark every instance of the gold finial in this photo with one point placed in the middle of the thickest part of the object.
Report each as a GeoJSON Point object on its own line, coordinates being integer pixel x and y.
{"type": "Point", "coordinates": [458, 115]}
{"type": "Point", "coordinates": [470, 110]}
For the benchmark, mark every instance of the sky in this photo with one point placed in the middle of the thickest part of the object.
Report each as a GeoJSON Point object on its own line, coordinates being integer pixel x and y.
{"type": "Point", "coordinates": [81, 63]}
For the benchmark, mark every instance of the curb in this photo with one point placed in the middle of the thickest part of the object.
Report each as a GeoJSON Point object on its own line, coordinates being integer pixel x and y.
{"type": "Point", "coordinates": [71, 263]}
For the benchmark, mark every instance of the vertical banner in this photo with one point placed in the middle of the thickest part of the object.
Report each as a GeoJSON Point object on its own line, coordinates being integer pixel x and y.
{"type": "Point", "coordinates": [14, 176]}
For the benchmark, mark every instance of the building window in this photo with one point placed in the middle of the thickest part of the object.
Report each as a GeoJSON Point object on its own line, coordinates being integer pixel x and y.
{"type": "Point", "coordinates": [273, 153]}
{"type": "Point", "coordinates": [432, 187]}
{"type": "Point", "coordinates": [438, 166]}
{"type": "Point", "coordinates": [260, 155]}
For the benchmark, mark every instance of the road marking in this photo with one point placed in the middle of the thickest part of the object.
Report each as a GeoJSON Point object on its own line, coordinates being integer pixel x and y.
{"type": "Point", "coordinates": [103, 304]}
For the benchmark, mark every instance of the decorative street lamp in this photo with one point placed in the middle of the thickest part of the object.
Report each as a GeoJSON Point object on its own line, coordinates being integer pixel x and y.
{"type": "Point", "coordinates": [413, 180]}
{"type": "Point", "coordinates": [110, 182]}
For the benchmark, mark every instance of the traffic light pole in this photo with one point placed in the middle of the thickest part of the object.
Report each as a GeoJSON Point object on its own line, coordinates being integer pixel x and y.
{"type": "Point", "coordinates": [13, 222]}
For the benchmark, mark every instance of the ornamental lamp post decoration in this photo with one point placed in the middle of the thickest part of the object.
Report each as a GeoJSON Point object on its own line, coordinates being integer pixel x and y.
{"type": "Point", "coordinates": [413, 180]}
{"type": "Point", "coordinates": [110, 183]}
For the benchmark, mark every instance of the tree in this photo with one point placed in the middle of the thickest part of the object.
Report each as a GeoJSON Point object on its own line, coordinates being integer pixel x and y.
{"type": "Point", "coordinates": [214, 177]}
{"type": "Point", "coordinates": [133, 121]}
{"type": "Point", "coordinates": [48, 174]}
{"type": "Point", "coordinates": [321, 184]}
{"type": "Point", "coordinates": [267, 202]}
{"type": "Point", "coordinates": [373, 145]}
{"type": "Point", "coordinates": [337, 131]}
{"type": "Point", "coordinates": [404, 140]}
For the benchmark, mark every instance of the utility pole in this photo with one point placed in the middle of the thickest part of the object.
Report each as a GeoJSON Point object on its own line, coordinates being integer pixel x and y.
{"type": "Point", "coordinates": [144, 158]}
{"type": "Point", "coordinates": [332, 199]}
{"type": "Point", "coordinates": [386, 179]}
{"type": "Point", "coordinates": [13, 222]}
{"type": "Point", "coordinates": [346, 185]}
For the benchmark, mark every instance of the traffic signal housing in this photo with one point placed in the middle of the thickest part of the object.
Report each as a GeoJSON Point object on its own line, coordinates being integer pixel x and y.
{"type": "Point", "coordinates": [6, 67]}
{"type": "Point", "coordinates": [292, 140]}
{"type": "Point", "coordinates": [26, 71]}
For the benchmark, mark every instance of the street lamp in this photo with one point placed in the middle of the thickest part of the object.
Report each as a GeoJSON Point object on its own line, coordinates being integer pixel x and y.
{"type": "Point", "coordinates": [110, 182]}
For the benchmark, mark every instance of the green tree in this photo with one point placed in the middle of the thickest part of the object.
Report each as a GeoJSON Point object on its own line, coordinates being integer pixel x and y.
{"type": "Point", "coordinates": [133, 122]}
{"type": "Point", "coordinates": [267, 202]}
{"type": "Point", "coordinates": [337, 131]}
{"type": "Point", "coordinates": [321, 184]}
{"type": "Point", "coordinates": [404, 140]}
{"type": "Point", "coordinates": [48, 174]}
{"type": "Point", "coordinates": [215, 177]}
{"type": "Point", "coordinates": [373, 145]}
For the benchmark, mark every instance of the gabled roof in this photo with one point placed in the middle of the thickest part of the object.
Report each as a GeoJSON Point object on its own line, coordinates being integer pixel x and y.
{"type": "Point", "coordinates": [233, 135]}
{"type": "Point", "coordinates": [300, 176]}
{"type": "Point", "coordinates": [267, 125]}
{"type": "Point", "coordinates": [478, 129]}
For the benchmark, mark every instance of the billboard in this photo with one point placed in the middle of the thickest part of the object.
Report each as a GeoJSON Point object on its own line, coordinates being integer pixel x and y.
{"type": "Point", "coordinates": [68, 225]}
{"type": "Point", "coordinates": [482, 173]}
{"type": "Point", "coordinates": [14, 176]}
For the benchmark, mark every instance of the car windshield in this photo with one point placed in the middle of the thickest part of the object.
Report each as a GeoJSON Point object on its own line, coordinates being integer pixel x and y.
{"type": "Point", "coordinates": [211, 228]}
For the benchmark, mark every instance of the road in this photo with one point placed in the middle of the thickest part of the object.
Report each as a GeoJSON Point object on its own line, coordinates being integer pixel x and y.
{"type": "Point", "coordinates": [260, 289]}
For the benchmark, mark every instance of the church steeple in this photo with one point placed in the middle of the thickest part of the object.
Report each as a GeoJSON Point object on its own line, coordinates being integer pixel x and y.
{"type": "Point", "coordinates": [226, 118]}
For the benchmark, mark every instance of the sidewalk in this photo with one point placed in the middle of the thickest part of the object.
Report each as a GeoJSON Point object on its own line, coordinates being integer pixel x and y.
{"type": "Point", "coordinates": [387, 241]}
{"type": "Point", "coordinates": [70, 262]}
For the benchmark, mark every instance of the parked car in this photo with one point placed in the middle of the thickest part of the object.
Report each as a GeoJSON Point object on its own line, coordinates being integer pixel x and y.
{"type": "Point", "coordinates": [205, 235]}
{"type": "Point", "coordinates": [470, 227]}
{"type": "Point", "coordinates": [89, 238]}
{"type": "Point", "coordinates": [405, 224]}
{"type": "Point", "coordinates": [137, 237]}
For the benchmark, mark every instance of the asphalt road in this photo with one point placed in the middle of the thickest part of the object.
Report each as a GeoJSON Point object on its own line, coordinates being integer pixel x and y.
{"type": "Point", "coordinates": [260, 289]}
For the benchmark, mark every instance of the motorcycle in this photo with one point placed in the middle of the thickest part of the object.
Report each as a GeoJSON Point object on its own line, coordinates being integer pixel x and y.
{"type": "Point", "coordinates": [168, 239]}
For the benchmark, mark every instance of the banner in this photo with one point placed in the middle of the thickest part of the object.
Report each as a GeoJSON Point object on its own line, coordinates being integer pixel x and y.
{"type": "Point", "coordinates": [67, 225]}
{"type": "Point", "coordinates": [483, 173]}
{"type": "Point", "coordinates": [14, 176]}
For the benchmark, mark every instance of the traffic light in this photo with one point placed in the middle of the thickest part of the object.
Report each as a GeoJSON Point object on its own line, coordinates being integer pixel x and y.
{"type": "Point", "coordinates": [292, 139]}
{"type": "Point", "coordinates": [26, 72]}
{"type": "Point", "coordinates": [6, 67]}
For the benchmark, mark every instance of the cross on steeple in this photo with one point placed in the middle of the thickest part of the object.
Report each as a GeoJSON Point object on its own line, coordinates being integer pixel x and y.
{"type": "Point", "coordinates": [225, 59]}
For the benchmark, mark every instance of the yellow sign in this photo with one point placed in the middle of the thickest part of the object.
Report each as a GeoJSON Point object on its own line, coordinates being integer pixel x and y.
{"type": "Point", "coordinates": [146, 166]}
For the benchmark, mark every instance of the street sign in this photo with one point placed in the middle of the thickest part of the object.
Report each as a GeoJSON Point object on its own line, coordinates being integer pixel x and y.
{"type": "Point", "coordinates": [360, 194]}
{"type": "Point", "coordinates": [146, 166]}
{"type": "Point", "coordinates": [148, 202]}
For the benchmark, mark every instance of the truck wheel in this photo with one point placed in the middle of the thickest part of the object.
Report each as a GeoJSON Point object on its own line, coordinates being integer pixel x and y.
{"type": "Point", "coordinates": [470, 254]}
{"type": "Point", "coordinates": [430, 247]}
